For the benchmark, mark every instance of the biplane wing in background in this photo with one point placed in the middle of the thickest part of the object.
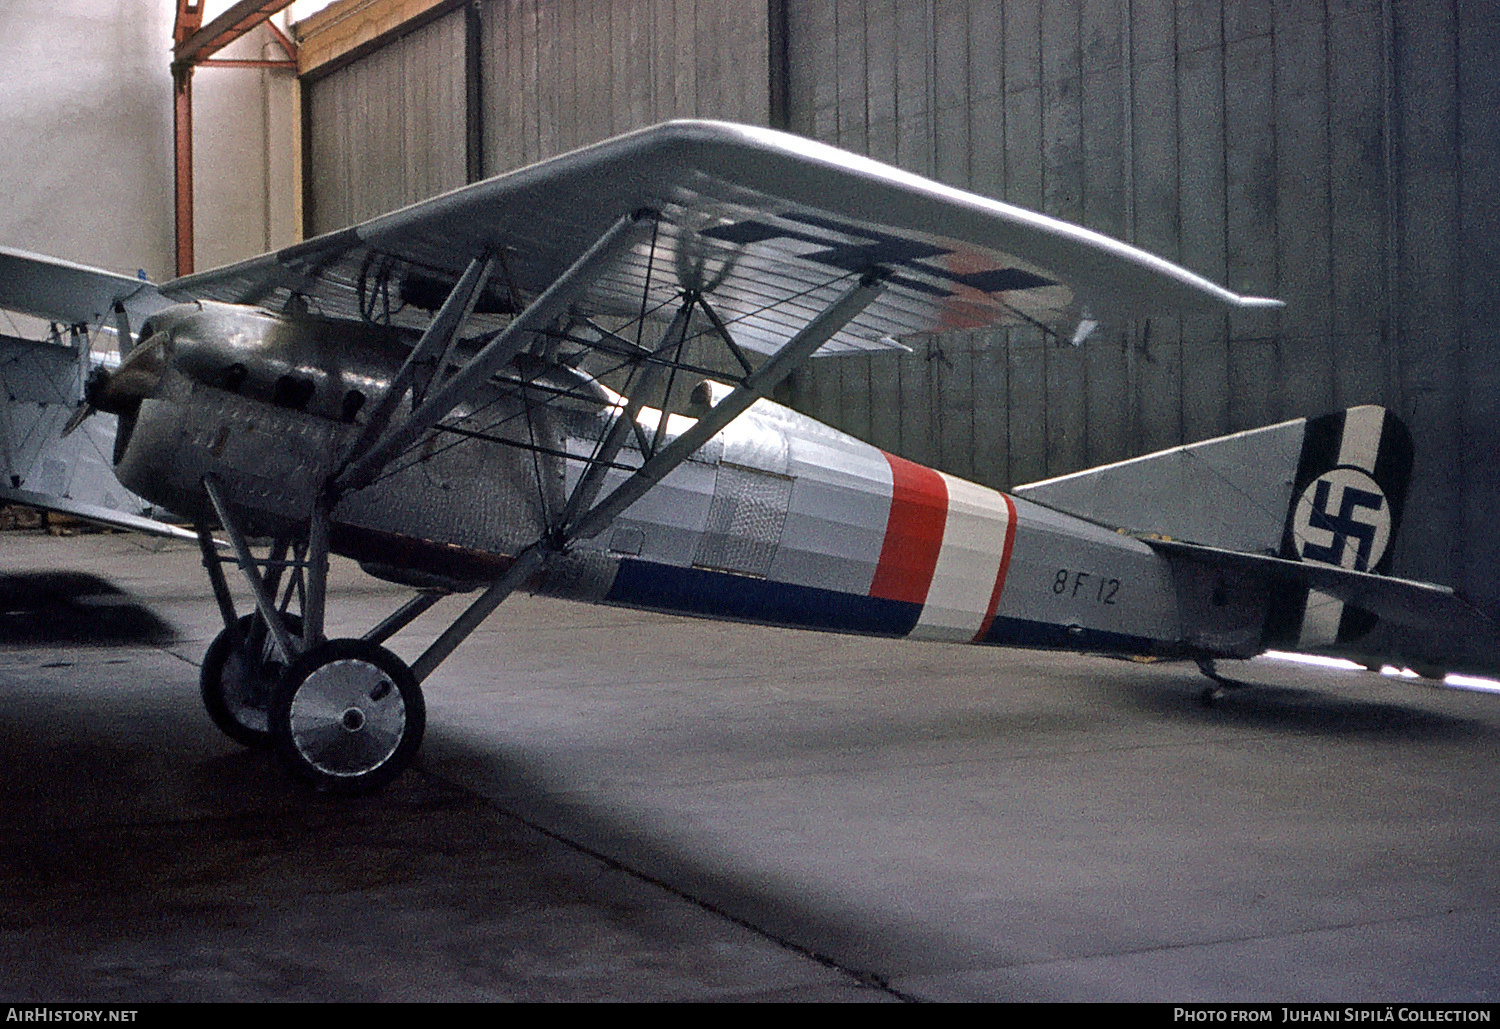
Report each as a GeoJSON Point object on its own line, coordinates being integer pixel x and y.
{"type": "Point", "coordinates": [43, 380]}
{"type": "Point", "coordinates": [475, 393]}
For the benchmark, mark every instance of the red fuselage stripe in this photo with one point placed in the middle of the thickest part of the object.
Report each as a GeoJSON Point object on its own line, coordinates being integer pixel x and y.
{"type": "Point", "coordinates": [1010, 539]}
{"type": "Point", "coordinates": [913, 533]}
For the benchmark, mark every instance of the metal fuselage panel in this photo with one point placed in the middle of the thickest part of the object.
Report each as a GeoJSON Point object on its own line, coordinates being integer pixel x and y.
{"type": "Point", "coordinates": [779, 519]}
{"type": "Point", "coordinates": [870, 543]}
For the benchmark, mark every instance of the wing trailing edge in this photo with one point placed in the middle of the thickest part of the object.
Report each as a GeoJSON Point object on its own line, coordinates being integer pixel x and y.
{"type": "Point", "coordinates": [96, 513]}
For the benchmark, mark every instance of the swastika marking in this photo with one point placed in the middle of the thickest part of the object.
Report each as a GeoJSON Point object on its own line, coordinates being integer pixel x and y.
{"type": "Point", "coordinates": [1343, 519]}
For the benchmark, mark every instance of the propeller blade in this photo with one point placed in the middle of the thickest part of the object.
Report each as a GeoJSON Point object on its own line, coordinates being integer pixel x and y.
{"type": "Point", "coordinates": [76, 418]}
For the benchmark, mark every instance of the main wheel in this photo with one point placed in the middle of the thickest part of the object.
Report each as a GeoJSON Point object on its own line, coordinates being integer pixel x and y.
{"type": "Point", "coordinates": [347, 716]}
{"type": "Point", "coordinates": [237, 683]}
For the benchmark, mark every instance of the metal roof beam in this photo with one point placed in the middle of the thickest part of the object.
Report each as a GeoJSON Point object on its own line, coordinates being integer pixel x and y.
{"type": "Point", "coordinates": [225, 29]}
{"type": "Point", "coordinates": [189, 20]}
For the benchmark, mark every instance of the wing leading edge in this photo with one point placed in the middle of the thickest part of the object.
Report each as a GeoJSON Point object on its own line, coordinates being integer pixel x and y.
{"type": "Point", "coordinates": [768, 227]}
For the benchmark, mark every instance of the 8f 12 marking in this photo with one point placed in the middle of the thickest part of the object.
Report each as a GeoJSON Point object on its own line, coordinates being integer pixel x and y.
{"type": "Point", "coordinates": [1094, 587]}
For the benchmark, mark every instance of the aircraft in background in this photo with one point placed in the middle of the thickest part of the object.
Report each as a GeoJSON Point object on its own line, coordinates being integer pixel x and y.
{"type": "Point", "coordinates": [487, 391]}
{"type": "Point", "coordinates": [42, 382]}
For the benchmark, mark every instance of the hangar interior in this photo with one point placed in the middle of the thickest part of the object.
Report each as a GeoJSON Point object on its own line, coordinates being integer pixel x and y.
{"type": "Point", "coordinates": [1342, 155]}
{"type": "Point", "coordinates": [1338, 154]}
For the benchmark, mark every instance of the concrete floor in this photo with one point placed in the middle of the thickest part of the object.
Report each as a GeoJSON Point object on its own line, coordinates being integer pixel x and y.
{"type": "Point", "coordinates": [617, 805]}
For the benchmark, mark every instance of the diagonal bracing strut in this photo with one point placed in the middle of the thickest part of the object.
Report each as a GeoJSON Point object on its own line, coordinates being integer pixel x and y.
{"type": "Point", "coordinates": [430, 353]}
{"type": "Point", "coordinates": [592, 479]}
{"type": "Point", "coordinates": [441, 401]}
{"type": "Point", "coordinates": [265, 601]}
{"type": "Point", "coordinates": [583, 517]}
{"type": "Point", "coordinates": [760, 383]}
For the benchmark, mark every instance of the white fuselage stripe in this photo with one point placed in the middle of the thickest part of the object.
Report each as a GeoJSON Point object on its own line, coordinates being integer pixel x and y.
{"type": "Point", "coordinates": [968, 563]}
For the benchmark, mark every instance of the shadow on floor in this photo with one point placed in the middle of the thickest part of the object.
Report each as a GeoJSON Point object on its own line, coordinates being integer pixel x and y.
{"type": "Point", "coordinates": [74, 607]}
{"type": "Point", "coordinates": [1295, 708]}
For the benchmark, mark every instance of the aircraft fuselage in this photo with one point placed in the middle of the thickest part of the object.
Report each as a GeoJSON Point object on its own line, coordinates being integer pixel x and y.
{"type": "Point", "coordinates": [779, 519]}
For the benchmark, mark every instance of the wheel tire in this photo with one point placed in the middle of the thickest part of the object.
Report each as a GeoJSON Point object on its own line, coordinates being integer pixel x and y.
{"type": "Point", "coordinates": [347, 717]}
{"type": "Point", "coordinates": [237, 698]}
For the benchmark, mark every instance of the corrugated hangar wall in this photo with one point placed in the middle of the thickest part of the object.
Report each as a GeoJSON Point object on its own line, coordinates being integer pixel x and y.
{"type": "Point", "coordinates": [1340, 154]}
{"type": "Point", "coordinates": [389, 129]}
{"type": "Point", "coordinates": [485, 87]}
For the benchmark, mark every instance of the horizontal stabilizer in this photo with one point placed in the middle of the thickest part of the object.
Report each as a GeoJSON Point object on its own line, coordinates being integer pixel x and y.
{"type": "Point", "coordinates": [1420, 605]}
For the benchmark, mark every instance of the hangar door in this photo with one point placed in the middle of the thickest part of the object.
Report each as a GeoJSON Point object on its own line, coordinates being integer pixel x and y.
{"type": "Point", "coordinates": [485, 87]}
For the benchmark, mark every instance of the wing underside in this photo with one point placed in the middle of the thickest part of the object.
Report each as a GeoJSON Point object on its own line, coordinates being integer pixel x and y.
{"type": "Point", "coordinates": [765, 227]}
{"type": "Point", "coordinates": [68, 293]}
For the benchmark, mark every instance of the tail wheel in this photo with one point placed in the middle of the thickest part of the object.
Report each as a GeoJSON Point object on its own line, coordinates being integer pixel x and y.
{"type": "Point", "coordinates": [237, 682]}
{"type": "Point", "coordinates": [347, 716]}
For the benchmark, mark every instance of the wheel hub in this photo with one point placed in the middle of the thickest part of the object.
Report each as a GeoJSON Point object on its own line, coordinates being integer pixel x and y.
{"type": "Point", "coordinates": [346, 718]}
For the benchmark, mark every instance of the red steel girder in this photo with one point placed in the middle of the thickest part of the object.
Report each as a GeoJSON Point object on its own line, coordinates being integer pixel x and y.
{"type": "Point", "coordinates": [235, 62]}
{"type": "Point", "coordinates": [189, 18]}
{"type": "Point", "coordinates": [226, 28]}
{"type": "Point", "coordinates": [287, 46]}
{"type": "Point", "coordinates": [182, 139]}
{"type": "Point", "coordinates": [193, 45]}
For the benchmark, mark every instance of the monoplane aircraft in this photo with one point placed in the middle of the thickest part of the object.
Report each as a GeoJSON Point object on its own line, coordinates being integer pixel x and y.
{"type": "Point", "coordinates": [475, 394]}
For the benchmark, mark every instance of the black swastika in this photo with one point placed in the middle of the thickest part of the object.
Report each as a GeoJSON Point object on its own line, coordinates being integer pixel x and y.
{"type": "Point", "coordinates": [1343, 526]}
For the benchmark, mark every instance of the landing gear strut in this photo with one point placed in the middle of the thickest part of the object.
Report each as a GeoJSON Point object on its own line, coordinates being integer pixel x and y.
{"type": "Point", "coordinates": [346, 715]}
{"type": "Point", "coordinates": [240, 671]}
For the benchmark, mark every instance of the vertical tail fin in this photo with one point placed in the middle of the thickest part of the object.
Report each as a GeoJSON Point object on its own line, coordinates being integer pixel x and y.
{"type": "Point", "coordinates": [1327, 490]}
{"type": "Point", "coordinates": [1347, 502]}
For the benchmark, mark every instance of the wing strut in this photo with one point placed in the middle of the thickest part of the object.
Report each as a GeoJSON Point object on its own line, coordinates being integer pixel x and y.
{"type": "Point", "coordinates": [723, 331]}
{"type": "Point", "coordinates": [347, 714]}
{"type": "Point", "coordinates": [497, 353]}
{"type": "Point", "coordinates": [765, 378]}
{"type": "Point", "coordinates": [589, 484]}
{"type": "Point", "coordinates": [424, 360]}
{"type": "Point", "coordinates": [757, 385]}
{"type": "Point", "coordinates": [122, 331]}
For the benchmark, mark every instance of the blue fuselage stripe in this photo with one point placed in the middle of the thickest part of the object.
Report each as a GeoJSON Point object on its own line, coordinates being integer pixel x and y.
{"type": "Point", "coordinates": [698, 591]}
{"type": "Point", "coordinates": [1022, 632]}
